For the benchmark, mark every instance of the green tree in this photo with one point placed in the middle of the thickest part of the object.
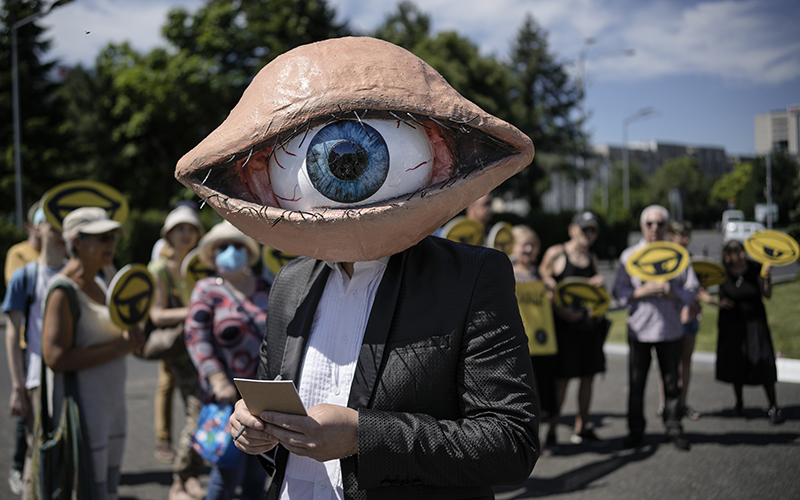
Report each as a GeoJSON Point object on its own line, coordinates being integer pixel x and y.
{"type": "Point", "coordinates": [407, 27]}
{"type": "Point", "coordinates": [544, 102]}
{"type": "Point", "coordinates": [684, 175]}
{"type": "Point", "coordinates": [738, 185]}
{"type": "Point", "coordinates": [533, 91]}
{"type": "Point", "coordinates": [134, 115]}
{"type": "Point", "coordinates": [785, 182]}
{"type": "Point", "coordinates": [545, 96]}
{"type": "Point", "coordinates": [241, 37]}
{"type": "Point", "coordinates": [640, 196]}
{"type": "Point", "coordinates": [40, 112]}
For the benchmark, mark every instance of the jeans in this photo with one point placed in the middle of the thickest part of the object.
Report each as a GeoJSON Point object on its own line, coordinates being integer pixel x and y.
{"type": "Point", "coordinates": [248, 473]}
{"type": "Point", "coordinates": [639, 359]}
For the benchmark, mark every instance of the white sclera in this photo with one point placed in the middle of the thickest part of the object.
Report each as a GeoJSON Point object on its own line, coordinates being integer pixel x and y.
{"type": "Point", "coordinates": [410, 167]}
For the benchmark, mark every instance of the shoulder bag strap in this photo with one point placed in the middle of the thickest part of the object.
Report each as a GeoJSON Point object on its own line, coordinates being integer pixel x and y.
{"type": "Point", "coordinates": [75, 309]}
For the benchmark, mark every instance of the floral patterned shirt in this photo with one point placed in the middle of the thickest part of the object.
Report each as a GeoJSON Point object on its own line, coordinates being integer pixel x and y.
{"type": "Point", "coordinates": [224, 333]}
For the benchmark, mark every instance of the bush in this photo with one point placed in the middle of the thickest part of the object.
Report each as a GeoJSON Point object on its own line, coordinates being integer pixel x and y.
{"type": "Point", "coordinates": [552, 230]}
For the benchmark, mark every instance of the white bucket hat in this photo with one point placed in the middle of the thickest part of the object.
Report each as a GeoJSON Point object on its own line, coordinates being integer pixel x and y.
{"type": "Point", "coordinates": [87, 220]}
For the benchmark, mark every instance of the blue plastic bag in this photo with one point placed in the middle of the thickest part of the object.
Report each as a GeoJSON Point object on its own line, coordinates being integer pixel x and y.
{"type": "Point", "coordinates": [212, 440]}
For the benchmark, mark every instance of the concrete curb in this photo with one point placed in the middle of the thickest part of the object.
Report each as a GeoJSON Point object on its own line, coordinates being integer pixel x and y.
{"type": "Point", "coordinates": [788, 369]}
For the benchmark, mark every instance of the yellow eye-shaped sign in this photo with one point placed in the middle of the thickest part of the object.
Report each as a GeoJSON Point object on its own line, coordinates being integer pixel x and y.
{"type": "Point", "coordinates": [130, 295]}
{"type": "Point", "coordinates": [501, 238]}
{"type": "Point", "coordinates": [658, 261]}
{"type": "Point", "coordinates": [577, 292]}
{"type": "Point", "coordinates": [66, 197]}
{"type": "Point", "coordinates": [709, 272]}
{"type": "Point", "coordinates": [537, 318]}
{"type": "Point", "coordinates": [464, 230]}
{"type": "Point", "coordinates": [775, 247]}
{"type": "Point", "coordinates": [274, 259]}
{"type": "Point", "coordinates": [193, 269]}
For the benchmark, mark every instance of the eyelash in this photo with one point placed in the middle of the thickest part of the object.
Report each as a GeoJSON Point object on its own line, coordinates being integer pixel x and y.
{"type": "Point", "coordinates": [408, 119]}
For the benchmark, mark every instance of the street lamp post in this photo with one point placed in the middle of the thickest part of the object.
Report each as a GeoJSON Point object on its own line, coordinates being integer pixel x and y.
{"type": "Point", "coordinates": [15, 104]}
{"type": "Point", "coordinates": [626, 180]}
{"type": "Point", "coordinates": [582, 85]}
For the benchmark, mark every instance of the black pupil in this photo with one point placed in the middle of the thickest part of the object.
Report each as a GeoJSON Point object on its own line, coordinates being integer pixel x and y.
{"type": "Point", "coordinates": [347, 161]}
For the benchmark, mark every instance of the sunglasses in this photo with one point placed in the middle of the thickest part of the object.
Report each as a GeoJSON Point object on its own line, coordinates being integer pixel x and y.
{"type": "Point", "coordinates": [651, 223]}
{"type": "Point", "coordinates": [104, 238]}
{"type": "Point", "coordinates": [224, 246]}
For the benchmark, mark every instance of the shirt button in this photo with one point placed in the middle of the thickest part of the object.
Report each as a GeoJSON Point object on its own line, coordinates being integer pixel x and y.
{"type": "Point", "coordinates": [344, 340]}
{"type": "Point", "coordinates": [322, 486]}
{"type": "Point", "coordinates": [336, 391]}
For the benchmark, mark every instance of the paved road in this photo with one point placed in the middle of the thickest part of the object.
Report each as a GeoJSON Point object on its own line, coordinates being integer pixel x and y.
{"type": "Point", "coordinates": [732, 457]}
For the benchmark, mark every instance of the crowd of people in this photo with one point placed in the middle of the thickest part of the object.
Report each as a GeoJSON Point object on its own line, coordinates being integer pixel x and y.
{"type": "Point", "coordinates": [59, 334]}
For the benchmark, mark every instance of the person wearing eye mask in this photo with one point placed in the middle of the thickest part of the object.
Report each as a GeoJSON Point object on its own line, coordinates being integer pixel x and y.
{"type": "Point", "coordinates": [224, 329]}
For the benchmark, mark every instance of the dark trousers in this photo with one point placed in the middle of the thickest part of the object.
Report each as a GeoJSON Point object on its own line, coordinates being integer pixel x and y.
{"type": "Point", "coordinates": [639, 359]}
{"type": "Point", "coordinates": [20, 444]}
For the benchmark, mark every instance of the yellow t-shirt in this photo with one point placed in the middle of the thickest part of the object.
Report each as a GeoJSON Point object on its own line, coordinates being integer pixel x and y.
{"type": "Point", "coordinates": [17, 256]}
{"type": "Point", "coordinates": [158, 268]}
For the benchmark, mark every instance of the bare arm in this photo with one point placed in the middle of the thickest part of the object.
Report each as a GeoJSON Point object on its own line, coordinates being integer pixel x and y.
{"type": "Point", "coordinates": [546, 270]}
{"type": "Point", "coordinates": [57, 340]}
{"type": "Point", "coordinates": [161, 314]}
{"type": "Point", "coordinates": [597, 280]}
{"type": "Point", "coordinates": [19, 406]}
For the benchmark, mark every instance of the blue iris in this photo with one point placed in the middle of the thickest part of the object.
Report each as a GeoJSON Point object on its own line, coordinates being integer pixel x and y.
{"type": "Point", "coordinates": [347, 161]}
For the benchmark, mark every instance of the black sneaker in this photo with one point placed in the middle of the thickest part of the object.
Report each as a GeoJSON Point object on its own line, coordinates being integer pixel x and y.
{"type": "Point", "coordinates": [681, 443]}
{"type": "Point", "coordinates": [633, 441]}
{"type": "Point", "coordinates": [776, 416]}
{"type": "Point", "coordinates": [587, 436]}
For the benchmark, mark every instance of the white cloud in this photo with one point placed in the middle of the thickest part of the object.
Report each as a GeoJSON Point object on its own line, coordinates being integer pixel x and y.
{"type": "Point", "coordinates": [107, 21]}
{"type": "Point", "coordinates": [736, 40]}
{"type": "Point", "coordinates": [750, 41]}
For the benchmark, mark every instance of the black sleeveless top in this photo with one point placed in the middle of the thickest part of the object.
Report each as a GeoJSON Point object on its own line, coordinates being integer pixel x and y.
{"type": "Point", "coordinates": [571, 269]}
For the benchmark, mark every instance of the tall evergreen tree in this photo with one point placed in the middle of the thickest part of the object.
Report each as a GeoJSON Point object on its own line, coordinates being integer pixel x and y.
{"type": "Point", "coordinates": [40, 112]}
{"type": "Point", "coordinates": [545, 104]}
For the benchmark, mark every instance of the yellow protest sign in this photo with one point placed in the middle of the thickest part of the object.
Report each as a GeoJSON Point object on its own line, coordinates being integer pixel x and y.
{"type": "Point", "coordinates": [464, 230]}
{"type": "Point", "coordinates": [193, 269]}
{"type": "Point", "coordinates": [709, 272]}
{"type": "Point", "coordinates": [501, 238]}
{"type": "Point", "coordinates": [658, 261]}
{"type": "Point", "coordinates": [774, 247]}
{"type": "Point", "coordinates": [577, 292]}
{"type": "Point", "coordinates": [274, 259]}
{"type": "Point", "coordinates": [66, 197]}
{"type": "Point", "coordinates": [537, 318]}
{"type": "Point", "coordinates": [130, 295]}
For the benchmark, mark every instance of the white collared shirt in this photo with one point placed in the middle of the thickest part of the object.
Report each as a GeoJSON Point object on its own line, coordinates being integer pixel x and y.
{"type": "Point", "coordinates": [329, 367]}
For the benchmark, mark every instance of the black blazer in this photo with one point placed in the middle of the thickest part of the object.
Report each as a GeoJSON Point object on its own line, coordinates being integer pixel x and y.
{"type": "Point", "coordinates": [443, 384]}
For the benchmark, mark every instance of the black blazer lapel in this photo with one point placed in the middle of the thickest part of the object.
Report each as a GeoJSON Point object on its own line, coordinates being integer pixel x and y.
{"type": "Point", "coordinates": [299, 329]}
{"type": "Point", "coordinates": [376, 333]}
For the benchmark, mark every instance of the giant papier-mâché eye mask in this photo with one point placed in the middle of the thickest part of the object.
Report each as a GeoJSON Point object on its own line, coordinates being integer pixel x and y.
{"type": "Point", "coordinates": [349, 150]}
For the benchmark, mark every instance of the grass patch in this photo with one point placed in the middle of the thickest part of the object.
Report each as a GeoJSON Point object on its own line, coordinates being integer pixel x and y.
{"type": "Point", "coordinates": [782, 314]}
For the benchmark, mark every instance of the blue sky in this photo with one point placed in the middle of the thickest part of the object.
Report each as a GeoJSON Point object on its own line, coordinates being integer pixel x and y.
{"type": "Point", "coordinates": [706, 67]}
